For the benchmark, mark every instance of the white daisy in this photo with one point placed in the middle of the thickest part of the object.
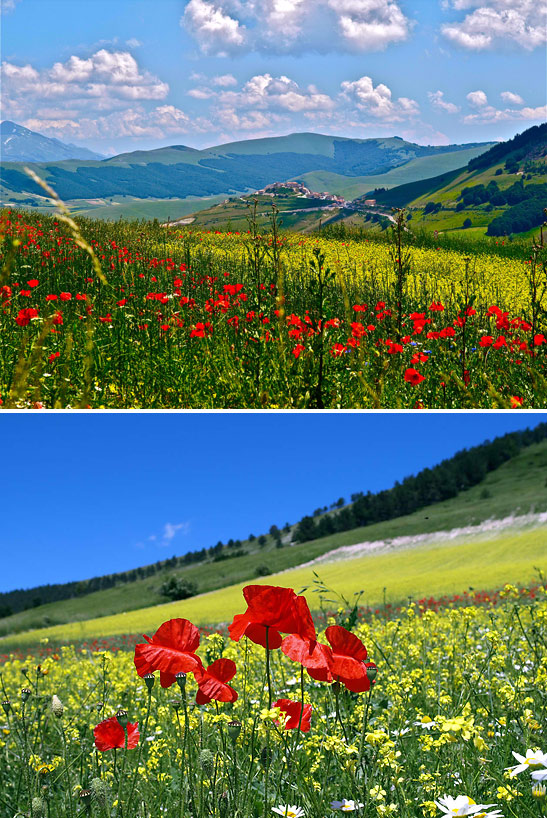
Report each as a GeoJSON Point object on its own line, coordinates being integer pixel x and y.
{"type": "Point", "coordinates": [463, 805]}
{"type": "Point", "coordinates": [346, 806]}
{"type": "Point", "coordinates": [533, 758]}
{"type": "Point", "coordinates": [289, 812]}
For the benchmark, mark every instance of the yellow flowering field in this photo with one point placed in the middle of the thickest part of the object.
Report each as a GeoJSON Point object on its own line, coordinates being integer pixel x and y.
{"type": "Point", "coordinates": [452, 695]}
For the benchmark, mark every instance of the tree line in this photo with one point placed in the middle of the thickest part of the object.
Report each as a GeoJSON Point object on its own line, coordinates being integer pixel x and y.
{"type": "Point", "coordinates": [446, 480]}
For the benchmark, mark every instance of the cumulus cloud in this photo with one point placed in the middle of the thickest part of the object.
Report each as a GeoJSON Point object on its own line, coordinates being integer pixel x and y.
{"type": "Point", "coordinates": [164, 120]}
{"type": "Point", "coordinates": [486, 113]}
{"type": "Point", "coordinates": [491, 23]}
{"type": "Point", "coordinates": [477, 99]}
{"type": "Point", "coordinates": [511, 99]}
{"type": "Point", "coordinates": [109, 77]}
{"type": "Point", "coordinates": [84, 97]}
{"type": "Point", "coordinates": [228, 27]}
{"type": "Point", "coordinates": [377, 101]}
{"type": "Point", "coordinates": [437, 100]}
{"type": "Point", "coordinates": [264, 91]}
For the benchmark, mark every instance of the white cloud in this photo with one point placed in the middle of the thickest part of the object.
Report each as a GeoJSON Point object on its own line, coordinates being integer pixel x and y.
{"type": "Point", "coordinates": [162, 121]}
{"type": "Point", "coordinates": [477, 99]}
{"type": "Point", "coordinates": [264, 91]}
{"type": "Point", "coordinates": [107, 78]}
{"type": "Point", "coordinates": [224, 81]}
{"type": "Point", "coordinates": [487, 113]}
{"type": "Point", "coordinates": [377, 101]}
{"type": "Point", "coordinates": [216, 32]}
{"type": "Point", "coordinates": [225, 27]}
{"type": "Point", "coordinates": [437, 100]}
{"type": "Point", "coordinates": [511, 99]}
{"type": "Point", "coordinates": [133, 43]}
{"type": "Point", "coordinates": [171, 529]}
{"type": "Point", "coordinates": [7, 5]}
{"type": "Point", "coordinates": [491, 23]}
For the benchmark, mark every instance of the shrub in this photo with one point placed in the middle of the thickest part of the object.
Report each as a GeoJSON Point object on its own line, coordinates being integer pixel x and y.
{"type": "Point", "coordinates": [262, 570]}
{"type": "Point", "coordinates": [177, 588]}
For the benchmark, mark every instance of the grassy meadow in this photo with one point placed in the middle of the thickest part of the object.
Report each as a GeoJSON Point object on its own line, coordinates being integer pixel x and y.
{"type": "Point", "coordinates": [131, 315]}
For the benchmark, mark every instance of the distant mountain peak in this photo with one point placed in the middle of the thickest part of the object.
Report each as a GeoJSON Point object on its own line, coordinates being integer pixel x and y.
{"type": "Point", "coordinates": [20, 144]}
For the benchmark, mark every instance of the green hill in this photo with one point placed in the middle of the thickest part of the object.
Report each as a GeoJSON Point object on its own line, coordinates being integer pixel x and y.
{"type": "Point", "coordinates": [501, 191]}
{"type": "Point", "coordinates": [516, 487]}
{"type": "Point", "coordinates": [180, 172]}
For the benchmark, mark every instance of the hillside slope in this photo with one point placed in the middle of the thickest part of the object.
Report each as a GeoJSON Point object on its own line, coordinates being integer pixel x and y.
{"type": "Point", "coordinates": [491, 194]}
{"type": "Point", "coordinates": [516, 487]}
{"type": "Point", "coordinates": [179, 171]}
{"type": "Point", "coordinates": [430, 570]}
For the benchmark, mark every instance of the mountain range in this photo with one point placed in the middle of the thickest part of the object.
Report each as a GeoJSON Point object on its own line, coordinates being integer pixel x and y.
{"type": "Point", "coordinates": [19, 144]}
{"type": "Point", "coordinates": [237, 167]}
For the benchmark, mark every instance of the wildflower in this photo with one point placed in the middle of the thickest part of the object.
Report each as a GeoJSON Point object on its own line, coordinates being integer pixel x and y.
{"type": "Point", "coordinates": [343, 661]}
{"type": "Point", "coordinates": [212, 683]}
{"type": "Point", "coordinates": [289, 812]}
{"type": "Point", "coordinates": [539, 790]}
{"type": "Point", "coordinates": [295, 715]}
{"type": "Point", "coordinates": [533, 758]}
{"type": "Point", "coordinates": [346, 806]}
{"type": "Point", "coordinates": [57, 706]}
{"type": "Point", "coordinates": [271, 609]}
{"type": "Point", "coordinates": [463, 805]}
{"type": "Point", "coordinates": [25, 316]}
{"type": "Point", "coordinates": [171, 650]}
{"type": "Point", "coordinates": [426, 723]}
{"type": "Point", "coordinates": [413, 376]}
{"type": "Point", "coordinates": [109, 734]}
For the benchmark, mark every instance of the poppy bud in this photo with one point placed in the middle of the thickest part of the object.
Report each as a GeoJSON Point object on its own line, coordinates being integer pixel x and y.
{"type": "Point", "coordinates": [37, 808]}
{"type": "Point", "coordinates": [25, 693]}
{"type": "Point", "coordinates": [6, 705]}
{"type": "Point", "coordinates": [234, 729]}
{"type": "Point", "coordinates": [85, 798]}
{"type": "Point", "coordinates": [121, 715]}
{"type": "Point", "coordinates": [181, 681]}
{"type": "Point", "coordinates": [372, 671]}
{"type": "Point", "coordinates": [175, 704]}
{"type": "Point", "coordinates": [149, 680]}
{"type": "Point", "coordinates": [207, 761]}
{"type": "Point", "coordinates": [24, 671]}
{"type": "Point", "coordinates": [57, 707]}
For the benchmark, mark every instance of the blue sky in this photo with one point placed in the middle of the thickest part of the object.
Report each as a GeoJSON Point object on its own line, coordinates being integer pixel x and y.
{"type": "Point", "coordinates": [89, 494]}
{"type": "Point", "coordinates": [118, 75]}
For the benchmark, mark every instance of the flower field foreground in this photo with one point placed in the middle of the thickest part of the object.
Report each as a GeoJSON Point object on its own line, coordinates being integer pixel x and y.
{"type": "Point", "coordinates": [127, 315]}
{"type": "Point", "coordinates": [274, 719]}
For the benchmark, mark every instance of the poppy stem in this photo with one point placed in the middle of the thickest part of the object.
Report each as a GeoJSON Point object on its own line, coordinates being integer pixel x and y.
{"type": "Point", "coordinates": [135, 773]}
{"type": "Point", "coordinates": [119, 809]}
{"type": "Point", "coordinates": [270, 696]}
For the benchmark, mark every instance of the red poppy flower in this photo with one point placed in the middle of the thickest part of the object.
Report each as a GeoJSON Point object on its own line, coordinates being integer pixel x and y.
{"type": "Point", "coordinates": [212, 683]}
{"type": "Point", "coordinates": [413, 376]}
{"type": "Point", "coordinates": [110, 734]}
{"type": "Point", "coordinates": [33, 282]}
{"type": "Point", "coordinates": [171, 650]}
{"type": "Point", "coordinates": [270, 610]}
{"type": "Point", "coordinates": [65, 296]}
{"type": "Point", "coordinates": [516, 401]}
{"type": "Point", "coordinates": [292, 712]}
{"type": "Point", "coordinates": [486, 341]}
{"type": "Point", "coordinates": [24, 316]}
{"type": "Point", "coordinates": [344, 661]}
{"type": "Point", "coordinates": [298, 349]}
